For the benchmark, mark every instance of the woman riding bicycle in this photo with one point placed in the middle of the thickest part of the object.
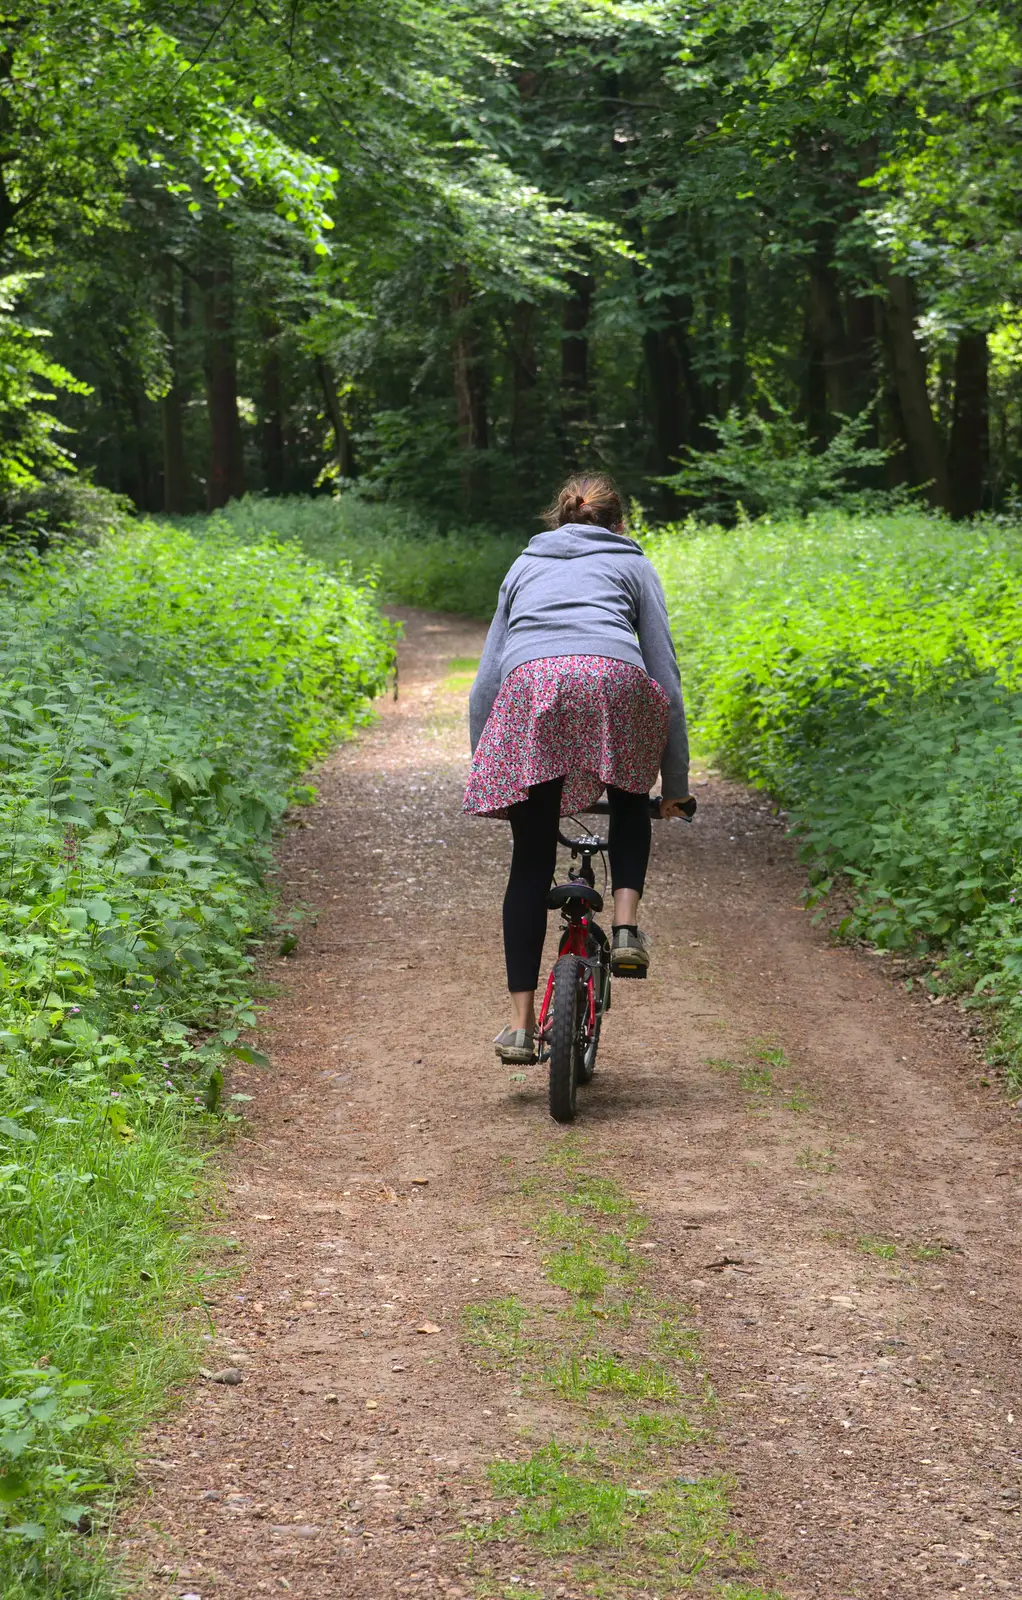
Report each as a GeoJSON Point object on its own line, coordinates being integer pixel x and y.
{"type": "Point", "coordinates": [577, 690]}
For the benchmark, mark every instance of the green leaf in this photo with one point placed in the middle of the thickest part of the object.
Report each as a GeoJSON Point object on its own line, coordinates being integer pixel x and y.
{"type": "Point", "coordinates": [14, 1442]}
{"type": "Point", "coordinates": [13, 1485]}
{"type": "Point", "coordinates": [252, 1058]}
{"type": "Point", "coordinates": [9, 1129]}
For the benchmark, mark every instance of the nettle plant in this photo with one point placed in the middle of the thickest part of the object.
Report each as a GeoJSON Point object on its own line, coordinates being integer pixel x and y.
{"type": "Point", "coordinates": [159, 702]}
{"type": "Point", "coordinates": [866, 671]}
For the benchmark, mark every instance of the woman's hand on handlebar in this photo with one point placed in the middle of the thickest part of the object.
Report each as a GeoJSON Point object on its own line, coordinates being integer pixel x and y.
{"type": "Point", "coordinates": [673, 808]}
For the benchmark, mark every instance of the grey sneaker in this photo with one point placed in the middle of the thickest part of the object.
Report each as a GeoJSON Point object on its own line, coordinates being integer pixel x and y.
{"type": "Point", "coordinates": [516, 1046]}
{"type": "Point", "coordinates": [629, 954]}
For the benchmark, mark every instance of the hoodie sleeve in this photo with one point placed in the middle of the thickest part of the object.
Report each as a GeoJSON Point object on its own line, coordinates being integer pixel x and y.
{"type": "Point", "coordinates": [657, 646]}
{"type": "Point", "coordinates": [487, 682]}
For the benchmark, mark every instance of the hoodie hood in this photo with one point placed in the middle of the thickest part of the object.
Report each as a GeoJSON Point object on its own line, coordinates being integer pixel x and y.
{"type": "Point", "coordinates": [581, 539]}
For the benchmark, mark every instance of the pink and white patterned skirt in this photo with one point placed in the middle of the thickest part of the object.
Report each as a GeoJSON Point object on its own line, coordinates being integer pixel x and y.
{"type": "Point", "coordinates": [588, 719]}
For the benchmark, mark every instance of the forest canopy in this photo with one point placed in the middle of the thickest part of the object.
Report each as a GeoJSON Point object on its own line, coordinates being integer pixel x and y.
{"type": "Point", "coordinates": [445, 251]}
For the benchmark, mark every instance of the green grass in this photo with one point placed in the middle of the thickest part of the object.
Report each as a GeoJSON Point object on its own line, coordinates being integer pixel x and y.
{"type": "Point", "coordinates": [927, 1252]}
{"type": "Point", "coordinates": [415, 560]}
{"type": "Point", "coordinates": [460, 675]}
{"type": "Point", "coordinates": [867, 671]}
{"type": "Point", "coordinates": [566, 1505]}
{"type": "Point", "coordinates": [798, 1102]}
{"type": "Point", "coordinates": [576, 1377]}
{"type": "Point", "coordinates": [653, 1431]}
{"type": "Point", "coordinates": [158, 702]}
{"type": "Point", "coordinates": [810, 1160]}
{"type": "Point", "coordinates": [757, 1077]}
{"type": "Point", "coordinates": [611, 1490]}
{"type": "Point", "coordinates": [675, 1339]}
{"type": "Point", "coordinates": [496, 1328]}
{"type": "Point", "coordinates": [772, 1055]}
{"type": "Point", "coordinates": [873, 1245]}
{"type": "Point", "coordinates": [756, 1080]}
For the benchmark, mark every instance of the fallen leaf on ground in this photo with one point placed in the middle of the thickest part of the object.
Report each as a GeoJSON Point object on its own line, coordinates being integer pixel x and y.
{"type": "Point", "coordinates": [428, 1327]}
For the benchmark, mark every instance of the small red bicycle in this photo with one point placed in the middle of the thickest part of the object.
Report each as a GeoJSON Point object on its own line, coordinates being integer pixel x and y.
{"type": "Point", "coordinates": [577, 996]}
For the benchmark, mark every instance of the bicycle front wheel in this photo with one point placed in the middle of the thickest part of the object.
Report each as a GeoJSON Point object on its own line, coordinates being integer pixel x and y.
{"type": "Point", "coordinates": [569, 1007]}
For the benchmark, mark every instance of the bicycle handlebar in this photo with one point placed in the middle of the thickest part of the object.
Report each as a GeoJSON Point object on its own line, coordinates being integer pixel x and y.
{"type": "Point", "coordinates": [688, 808]}
{"type": "Point", "coordinates": [602, 809]}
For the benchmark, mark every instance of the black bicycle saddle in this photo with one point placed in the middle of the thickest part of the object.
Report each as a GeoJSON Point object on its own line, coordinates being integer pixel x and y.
{"type": "Point", "coordinates": [564, 894]}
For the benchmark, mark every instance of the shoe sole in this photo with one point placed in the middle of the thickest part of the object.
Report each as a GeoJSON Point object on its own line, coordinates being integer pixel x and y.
{"type": "Point", "coordinates": [629, 963]}
{"type": "Point", "coordinates": [516, 1058]}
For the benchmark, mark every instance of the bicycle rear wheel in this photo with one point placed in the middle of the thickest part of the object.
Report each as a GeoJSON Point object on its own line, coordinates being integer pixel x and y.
{"type": "Point", "coordinates": [568, 1007]}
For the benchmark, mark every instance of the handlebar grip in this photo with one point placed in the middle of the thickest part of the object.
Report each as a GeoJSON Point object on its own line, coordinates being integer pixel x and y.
{"type": "Point", "coordinates": [688, 808]}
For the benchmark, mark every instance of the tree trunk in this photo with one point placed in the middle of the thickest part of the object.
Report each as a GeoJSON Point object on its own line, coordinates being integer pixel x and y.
{"type": "Point", "coordinates": [892, 435]}
{"type": "Point", "coordinates": [343, 453]}
{"type": "Point", "coordinates": [226, 463]}
{"type": "Point", "coordinates": [812, 407]}
{"type": "Point", "coordinates": [470, 392]}
{"type": "Point", "coordinates": [175, 465]}
{"type": "Point", "coordinates": [738, 321]}
{"type": "Point", "coordinates": [926, 448]}
{"type": "Point", "coordinates": [271, 408]}
{"type": "Point", "coordinates": [666, 399]}
{"type": "Point", "coordinates": [863, 322]}
{"type": "Point", "coordinates": [828, 326]}
{"type": "Point", "coordinates": [521, 347]}
{"type": "Point", "coordinates": [575, 364]}
{"type": "Point", "coordinates": [970, 425]}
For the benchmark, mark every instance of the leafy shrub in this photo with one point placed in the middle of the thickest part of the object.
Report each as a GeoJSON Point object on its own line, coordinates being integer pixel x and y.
{"type": "Point", "coordinates": [414, 561]}
{"type": "Point", "coordinates": [869, 674]}
{"type": "Point", "coordinates": [62, 508]}
{"type": "Point", "coordinates": [770, 465]}
{"type": "Point", "coordinates": [29, 435]}
{"type": "Point", "coordinates": [157, 702]}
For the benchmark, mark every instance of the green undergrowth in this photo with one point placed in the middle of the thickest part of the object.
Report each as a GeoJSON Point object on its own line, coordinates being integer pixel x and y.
{"type": "Point", "coordinates": [159, 700]}
{"type": "Point", "coordinates": [414, 561]}
{"type": "Point", "coordinates": [868, 672]}
{"type": "Point", "coordinates": [617, 1496]}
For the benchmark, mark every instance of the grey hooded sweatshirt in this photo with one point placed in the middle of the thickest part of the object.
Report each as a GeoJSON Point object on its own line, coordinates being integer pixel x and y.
{"type": "Point", "coordinates": [584, 591]}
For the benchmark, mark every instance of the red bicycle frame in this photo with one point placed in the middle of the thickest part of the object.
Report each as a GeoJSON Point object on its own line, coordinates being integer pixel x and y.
{"type": "Point", "coordinates": [574, 942]}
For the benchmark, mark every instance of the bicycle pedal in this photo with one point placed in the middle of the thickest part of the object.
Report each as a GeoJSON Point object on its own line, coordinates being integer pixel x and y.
{"type": "Point", "coordinates": [630, 972]}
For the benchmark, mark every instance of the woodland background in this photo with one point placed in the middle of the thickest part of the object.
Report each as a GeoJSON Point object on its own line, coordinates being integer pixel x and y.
{"type": "Point", "coordinates": [447, 251]}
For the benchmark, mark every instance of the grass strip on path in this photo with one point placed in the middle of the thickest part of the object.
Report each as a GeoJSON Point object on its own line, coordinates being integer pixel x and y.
{"type": "Point", "coordinates": [617, 1499]}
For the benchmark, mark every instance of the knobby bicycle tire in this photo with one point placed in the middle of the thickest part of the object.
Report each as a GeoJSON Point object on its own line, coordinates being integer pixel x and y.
{"type": "Point", "coordinates": [566, 1004]}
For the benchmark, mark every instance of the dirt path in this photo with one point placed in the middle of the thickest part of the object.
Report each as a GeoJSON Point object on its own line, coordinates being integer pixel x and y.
{"type": "Point", "coordinates": [836, 1200]}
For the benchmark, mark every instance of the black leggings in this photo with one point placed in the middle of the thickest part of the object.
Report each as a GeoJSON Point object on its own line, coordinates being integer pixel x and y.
{"type": "Point", "coordinates": [534, 826]}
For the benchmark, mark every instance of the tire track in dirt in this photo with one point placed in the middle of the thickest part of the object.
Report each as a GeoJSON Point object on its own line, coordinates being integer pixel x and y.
{"type": "Point", "coordinates": [837, 1198]}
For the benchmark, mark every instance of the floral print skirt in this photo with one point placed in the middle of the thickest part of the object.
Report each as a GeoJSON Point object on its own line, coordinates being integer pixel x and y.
{"type": "Point", "coordinates": [588, 719]}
